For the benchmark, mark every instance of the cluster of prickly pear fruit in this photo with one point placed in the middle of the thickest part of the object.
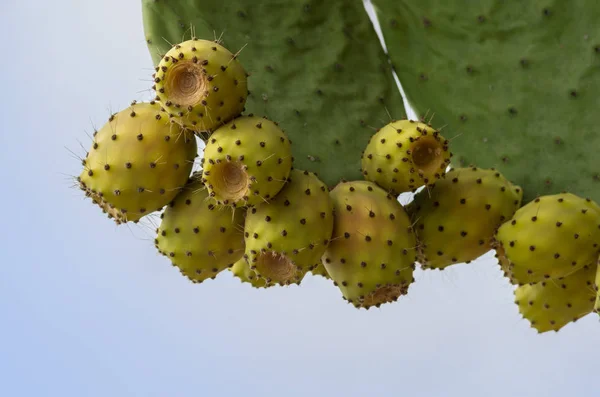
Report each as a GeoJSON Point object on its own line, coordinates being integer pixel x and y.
{"type": "Point", "coordinates": [249, 211]}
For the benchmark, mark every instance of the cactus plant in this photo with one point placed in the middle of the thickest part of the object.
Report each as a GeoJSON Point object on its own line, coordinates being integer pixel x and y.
{"type": "Point", "coordinates": [514, 83]}
{"type": "Point", "coordinates": [484, 71]}
{"type": "Point", "coordinates": [316, 67]}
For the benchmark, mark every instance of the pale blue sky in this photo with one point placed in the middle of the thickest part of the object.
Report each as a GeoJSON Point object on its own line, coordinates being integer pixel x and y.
{"type": "Point", "coordinates": [90, 309]}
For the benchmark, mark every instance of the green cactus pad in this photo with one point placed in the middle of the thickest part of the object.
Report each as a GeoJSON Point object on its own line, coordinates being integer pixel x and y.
{"type": "Point", "coordinates": [515, 83]}
{"type": "Point", "coordinates": [316, 67]}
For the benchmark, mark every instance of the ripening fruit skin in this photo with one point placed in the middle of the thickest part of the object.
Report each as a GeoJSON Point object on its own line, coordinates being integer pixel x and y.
{"type": "Point", "coordinates": [371, 256]}
{"type": "Point", "coordinates": [456, 218]}
{"type": "Point", "coordinates": [405, 155]}
{"type": "Point", "coordinates": [247, 161]}
{"type": "Point", "coordinates": [138, 162]}
{"type": "Point", "coordinates": [320, 270]}
{"type": "Point", "coordinates": [286, 237]}
{"type": "Point", "coordinates": [201, 84]}
{"type": "Point", "coordinates": [242, 271]}
{"type": "Point", "coordinates": [200, 238]}
{"type": "Point", "coordinates": [551, 304]}
{"type": "Point", "coordinates": [550, 237]}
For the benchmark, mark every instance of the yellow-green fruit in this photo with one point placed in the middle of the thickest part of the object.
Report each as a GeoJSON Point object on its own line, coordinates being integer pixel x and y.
{"type": "Point", "coordinates": [201, 84]}
{"type": "Point", "coordinates": [242, 270]}
{"type": "Point", "coordinates": [372, 254]}
{"type": "Point", "coordinates": [199, 237]}
{"type": "Point", "coordinates": [138, 162]}
{"type": "Point", "coordinates": [456, 218]}
{"type": "Point", "coordinates": [551, 237]}
{"type": "Point", "coordinates": [320, 270]}
{"type": "Point", "coordinates": [286, 237]}
{"type": "Point", "coordinates": [246, 161]}
{"type": "Point", "coordinates": [111, 212]}
{"type": "Point", "coordinates": [405, 155]}
{"type": "Point", "coordinates": [550, 305]}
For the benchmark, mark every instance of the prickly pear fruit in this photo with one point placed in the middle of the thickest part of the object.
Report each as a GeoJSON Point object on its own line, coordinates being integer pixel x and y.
{"type": "Point", "coordinates": [246, 161]}
{"type": "Point", "coordinates": [551, 237]}
{"type": "Point", "coordinates": [317, 68]}
{"type": "Point", "coordinates": [201, 84]}
{"type": "Point", "coordinates": [286, 237]}
{"type": "Point", "coordinates": [199, 237]}
{"type": "Point", "coordinates": [488, 69]}
{"type": "Point", "coordinates": [138, 162]}
{"type": "Point", "coordinates": [372, 254]}
{"type": "Point", "coordinates": [405, 155]}
{"type": "Point", "coordinates": [456, 218]}
{"type": "Point", "coordinates": [111, 212]}
{"type": "Point", "coordinates": [320, 270]}
{"type": "Point", "coordinates": [242, 270]}
{"type": "Point", "coordinates": [551, 304]}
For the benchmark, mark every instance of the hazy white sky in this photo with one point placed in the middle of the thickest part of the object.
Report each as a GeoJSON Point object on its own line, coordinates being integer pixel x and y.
{"type": "Point", "coordinates": [90, 309]}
